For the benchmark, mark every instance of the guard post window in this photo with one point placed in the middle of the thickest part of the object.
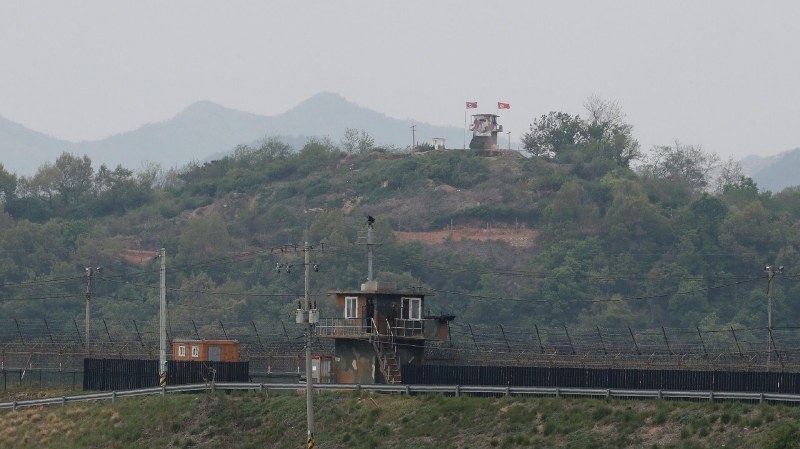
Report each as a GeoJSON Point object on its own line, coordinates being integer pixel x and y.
{"type": "Point", "coordinates": [412, 308]}
{"type": "Point", "coordinates": [351, 306]}
{"type": "Point", "coordinates": [195, 351]}
{"type": "Point", "coordinates": [181, 351]}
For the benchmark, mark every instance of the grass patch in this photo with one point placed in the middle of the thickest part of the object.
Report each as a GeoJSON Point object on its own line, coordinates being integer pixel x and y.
{"type": "Point", "coordinates": [345, 420]}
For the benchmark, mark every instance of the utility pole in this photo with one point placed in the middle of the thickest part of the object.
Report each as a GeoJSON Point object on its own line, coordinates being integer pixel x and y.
{"type": "Point", "coordinates": [413, 137]}
{"type": "Point", "coordinates": [89, 273]}
{"type": "Point", "coordinates": [309, 329]}
{"type": "Point", "coordinates": [309, 316]}
{"type": "Point", "coordinates": [509, 140]}
{"type": "Point", "coordinates": [162, 322]}
{"type": "Point", "coordinates": [770, 270]}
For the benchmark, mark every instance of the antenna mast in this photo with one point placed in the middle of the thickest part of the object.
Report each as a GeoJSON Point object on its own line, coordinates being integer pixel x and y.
{"type": "Point", "coordinates": [370, 244]}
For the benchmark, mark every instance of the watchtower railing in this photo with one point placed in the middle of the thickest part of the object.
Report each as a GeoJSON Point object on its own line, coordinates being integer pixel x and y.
{"type": "Point", "coordinates": [367, 327]}
{"type": "Point", "coordinates": [345, 327]}
{"type": "Point", "coordinates": [409, 328]}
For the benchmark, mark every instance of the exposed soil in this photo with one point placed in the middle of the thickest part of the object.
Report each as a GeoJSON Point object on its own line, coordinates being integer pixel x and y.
{"type": "Point", "coordinates": [140, 257]}
{"type": "Point", "coordinates": [521, 238]}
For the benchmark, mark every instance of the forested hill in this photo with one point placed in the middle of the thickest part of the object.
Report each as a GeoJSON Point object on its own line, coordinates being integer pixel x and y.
{"type": "Point", "coordinates": [663, 244]}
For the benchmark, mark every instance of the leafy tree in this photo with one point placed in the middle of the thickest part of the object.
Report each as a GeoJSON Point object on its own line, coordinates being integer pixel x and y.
{"type": "Point", "coordinates": [606, 129]}
{"type": "Point", "coordinates": [8, 184]}
{"type": "Point", "coordinates": [743, 192]}
{"type": "Point", "coordinates": [571, 208]}
{"type": "Point", "coordinates": [729, 174]}
{"type": "Point", "coordinates": [690, 305]}
{"type": "Point", "coordinates": [685, 163]}
{"type": "Point", "coordinates": [75, 178]}
{"type": "Point", "coordinates": [552, 132]}
{"type": "Point", "coordinates": [42, 185]}
{"type": "Point", "coordinates": [350, 140]}
{"type": "Point", "coordinates": [365, 143]}
{"type": "Point", "coordinates": [204, 238]}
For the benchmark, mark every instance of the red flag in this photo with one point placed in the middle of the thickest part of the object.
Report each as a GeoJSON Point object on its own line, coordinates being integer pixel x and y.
{"type": "Point", "coordinates": [503, 105]}
{"type": "Point", "coordinates": [472, 105]}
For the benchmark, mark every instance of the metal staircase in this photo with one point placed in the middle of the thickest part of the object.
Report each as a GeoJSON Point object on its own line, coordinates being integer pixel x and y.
{"type": "Point", "coordinates": [386, 351]}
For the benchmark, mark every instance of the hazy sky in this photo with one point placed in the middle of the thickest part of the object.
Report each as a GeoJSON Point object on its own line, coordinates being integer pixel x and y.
{"type": "Point", "coordinates": [723, 74]}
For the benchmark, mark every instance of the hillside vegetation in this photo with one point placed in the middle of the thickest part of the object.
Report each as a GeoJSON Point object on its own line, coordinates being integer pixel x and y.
{"type": "Point", "coordinates": [623, 238]}
{"type": "Point", "coordinates": [382, 421]}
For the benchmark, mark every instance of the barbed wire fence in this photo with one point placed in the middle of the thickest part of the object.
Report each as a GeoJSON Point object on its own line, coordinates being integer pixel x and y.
{"type": "Point", "coordinates": [742, 349]}
{"type": "Point", "coordinates": [278, 347]}
{"type": "Point", "coordinates": [60, 344]}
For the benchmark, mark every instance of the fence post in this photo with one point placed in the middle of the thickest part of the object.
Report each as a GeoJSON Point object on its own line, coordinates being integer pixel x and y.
{"type": "Point", "coordinates": [457, 390]}
{"type": "Point", "coordinates": [569, 339]}
{"type": "Point", "coordinates": [63, 401]}
{"type": "Point", "coordinates": [636, 345]}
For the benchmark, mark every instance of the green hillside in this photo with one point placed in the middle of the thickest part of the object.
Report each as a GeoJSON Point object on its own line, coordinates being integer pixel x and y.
{"type": "Point", "coordinates": [383, 421]}
{"type": "Point", "coordinates": [621, 239]}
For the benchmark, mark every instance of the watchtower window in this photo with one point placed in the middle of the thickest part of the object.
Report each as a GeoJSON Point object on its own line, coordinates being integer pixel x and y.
{"type": "Point", "coordinates": [412, 309]}
{"type": "Point", "coordinates": [351, 306]}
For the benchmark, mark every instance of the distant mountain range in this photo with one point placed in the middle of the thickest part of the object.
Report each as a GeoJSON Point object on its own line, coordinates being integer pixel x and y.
{"type": "Point", "coordinates": [206, 130]}
{"type": "Point", "coordinates": [774, 173]}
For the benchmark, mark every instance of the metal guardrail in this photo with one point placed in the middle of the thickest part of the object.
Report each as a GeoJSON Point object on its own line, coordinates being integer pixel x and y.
{"type": "Point", "coordinates": [408, 389]}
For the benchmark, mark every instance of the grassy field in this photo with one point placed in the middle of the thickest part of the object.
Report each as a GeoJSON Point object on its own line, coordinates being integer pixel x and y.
{"type": "Point", "coordinates": [250, 420]}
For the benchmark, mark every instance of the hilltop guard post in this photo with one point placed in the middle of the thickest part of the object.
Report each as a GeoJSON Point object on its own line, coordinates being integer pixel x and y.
{"type": "Point", "coordinates": [484, 131]}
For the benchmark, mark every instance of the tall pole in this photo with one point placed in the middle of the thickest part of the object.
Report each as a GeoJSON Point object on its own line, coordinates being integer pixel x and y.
{"type": "Point", "coordinates": [770, 270]}
{"type": "Point", "coordinates": [465, 129]}
{"type": "Point", "coordinates": [509, 140]}
{"type": "Point", "coordinates": [309, 380]}
{"type": "Point", "coordinates": [162, 321]}
{"type": "Point", "coordinates": [89, 272]}
{"type": "Point", "coordinates": [369, 253]}
{"type": "Point", "coordinates": [413, 137]}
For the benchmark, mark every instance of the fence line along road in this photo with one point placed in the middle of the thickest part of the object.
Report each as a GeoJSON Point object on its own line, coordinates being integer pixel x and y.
{"type": "Point", "coordinates": [408, 389]}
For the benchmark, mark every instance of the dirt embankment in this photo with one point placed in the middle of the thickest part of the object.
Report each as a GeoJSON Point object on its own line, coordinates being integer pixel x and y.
{"type": "Point", "coordinates": [140, 257]}
{"type": "Point", "coordinates": [522, 238]}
